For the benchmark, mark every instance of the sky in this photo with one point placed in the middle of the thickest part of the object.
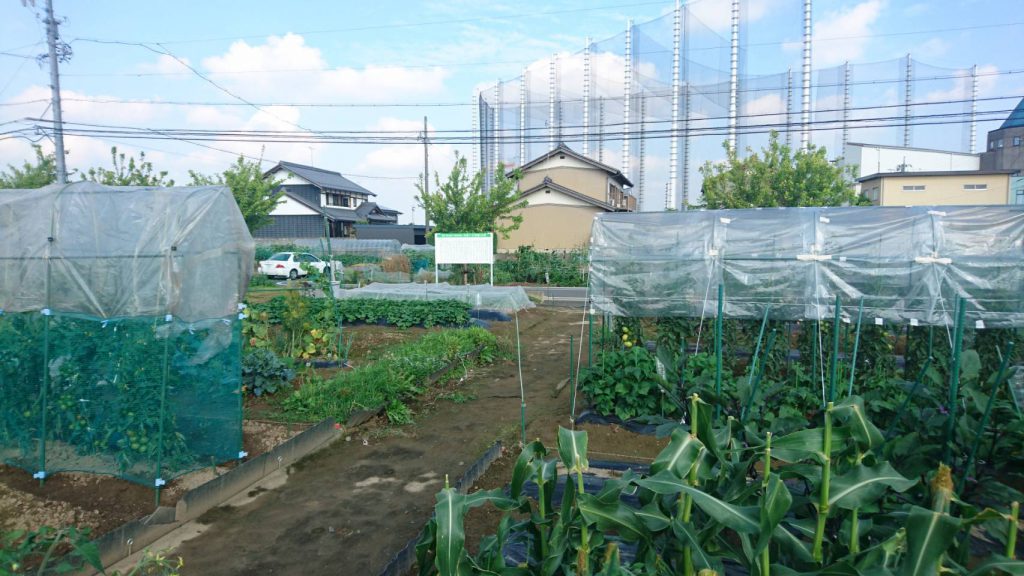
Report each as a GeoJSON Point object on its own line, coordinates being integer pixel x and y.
{"type": "Point", "coordinates": [311, 67]}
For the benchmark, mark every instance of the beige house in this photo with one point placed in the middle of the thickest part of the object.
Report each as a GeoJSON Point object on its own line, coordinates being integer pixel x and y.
{"type": "Point", "coordinates": [564, 191]}
{"type": "Point", "coordinates": [960, 188]}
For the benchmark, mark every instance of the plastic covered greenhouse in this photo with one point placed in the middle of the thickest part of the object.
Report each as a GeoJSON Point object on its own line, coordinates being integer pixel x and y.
{"type": "Point", "coordinates": [120, 330]}
{"type": "Point", "coordinates": [906, 265]}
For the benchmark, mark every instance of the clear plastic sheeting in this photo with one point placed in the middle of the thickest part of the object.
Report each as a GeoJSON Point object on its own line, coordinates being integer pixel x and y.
{"type": "Point", "coordinates": [482, 296]}
{"type": "Point", "coordinates": [906, 264]}
{"type": "Point", "coordinates": [418, 247]}
{"type": "Point", "coordinates": [123, 252]}
{"type": "Point", "coordinates": [120, 329]}
{"type": "Point", "coordinates": [352, 246]}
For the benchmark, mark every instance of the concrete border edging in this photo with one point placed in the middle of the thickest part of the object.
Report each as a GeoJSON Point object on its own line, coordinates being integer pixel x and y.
{"type": "Point", "coordinates": [132, 536]}
{"type": "Point", "coordinates": [406, 557]}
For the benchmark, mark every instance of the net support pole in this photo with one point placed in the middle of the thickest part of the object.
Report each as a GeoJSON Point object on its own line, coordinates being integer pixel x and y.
{"type": "Point", "coordinates": [673, 150]}
{"type": "Point", "coordinates": [856, 346]}
{"type": "Point", "coordinates": [684, 196]}
{"type": "Point", "coordinates": [499, 135]}
{"type": "Point", "coordinates": [627, 85]}
{"type": "Point", "coordinates": [478, 132]}
{"type": "Point", "coordinates": [954, 378]}
{"type": "Point", "coordinates": [734, 70]}
{"type": "Point", "coordinates": [586, 97]}
{"type": "Point", "coordinates": [552, 81]}
{"type": "Point", "coordinates": [846, 106]}
{"type": "Point", "coordinates": [718, 349]}
{"type": "Point", "coordinates": [834, 368]}
{"type": "Point", "coordinates": [974, 109]}
{"type": "Point", "coordinates": [805, 88]}
{"type": "Point", "coordinates": [907, 96]}
{"type": "Point", "coordinates": [1001, 375]}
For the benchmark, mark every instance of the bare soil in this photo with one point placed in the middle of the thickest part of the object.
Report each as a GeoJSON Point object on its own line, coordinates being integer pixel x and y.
{"type": "Point", "coordinates": [350, 507]}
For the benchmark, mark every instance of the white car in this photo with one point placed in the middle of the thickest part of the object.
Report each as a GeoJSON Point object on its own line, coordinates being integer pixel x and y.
{"type": "Point", "coordinates": [293, 265]}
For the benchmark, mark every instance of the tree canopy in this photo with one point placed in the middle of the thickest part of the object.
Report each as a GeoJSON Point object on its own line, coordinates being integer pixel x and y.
{"type": "Point", "coordinates": [460, 204]}
{"type": "Point", "coordinates": [256, 196]}
{"type": "Point", "coordinates": [777, 176]}
{"type": "Point", "coordinates": [29, 175]}
{"type": "Point", "coordinates": [127, 171]}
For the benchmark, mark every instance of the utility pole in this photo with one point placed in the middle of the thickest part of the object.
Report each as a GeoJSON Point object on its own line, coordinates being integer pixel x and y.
{"type": "Point", "coordinates": [58, 121]}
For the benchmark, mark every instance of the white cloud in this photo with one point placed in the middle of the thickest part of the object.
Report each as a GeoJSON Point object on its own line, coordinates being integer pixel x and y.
{"type": "Point", "coordinates": [717, 14]}
{"type": "Point", "coordinates": [842, 35]}
{"type": "Point", "coordinates": [167, 65]}
{"type": "Point", "coordinates": [274, 69]}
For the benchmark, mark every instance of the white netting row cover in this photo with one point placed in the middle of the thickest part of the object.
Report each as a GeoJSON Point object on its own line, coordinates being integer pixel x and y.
{"type": "Point", "coordinates": [116, 252]}
{"type": "Point", "coordinates": [906, 264]}
{"type": "Point", "coordinates": [484, 296]}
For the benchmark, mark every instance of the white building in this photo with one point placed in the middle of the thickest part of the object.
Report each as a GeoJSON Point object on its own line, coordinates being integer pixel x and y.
{"type": "Point", "coordinates": [879, 159]}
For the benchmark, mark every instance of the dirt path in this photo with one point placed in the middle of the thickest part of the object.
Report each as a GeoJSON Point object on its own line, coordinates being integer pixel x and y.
{"type": "Point", "coordinates": [350, 507]}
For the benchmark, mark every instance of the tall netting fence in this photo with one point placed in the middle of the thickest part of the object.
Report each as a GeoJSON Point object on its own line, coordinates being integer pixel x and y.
{"type": "Point", "coordinates": [120, 330]}
{"type": "Point", "coordinates": [627, 124]}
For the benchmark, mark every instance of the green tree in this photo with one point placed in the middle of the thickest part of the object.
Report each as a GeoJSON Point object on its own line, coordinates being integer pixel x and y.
{"type": "Point", "coordinates": [256, 196]}
{"type": "Point", "coordinates": [777, 176]}
{"type": "Point", "coordinates": [37, 175]}
{"type": "Point", "coordinates": [460, 204]}
{"type": "Point", "coordinates": [128, 172]}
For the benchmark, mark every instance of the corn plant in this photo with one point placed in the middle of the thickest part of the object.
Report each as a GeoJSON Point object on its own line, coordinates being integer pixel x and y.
{"type": "Point", "coordinates": [815, 501]}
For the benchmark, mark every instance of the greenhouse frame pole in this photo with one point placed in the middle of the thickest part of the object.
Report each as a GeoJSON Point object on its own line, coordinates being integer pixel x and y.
{"type": "Point", "coordinates": [834, 371]}
{"type": "Point", "coordinates": [718, 349]}
{"type": "Point", "coordinates": [856, 346]}
{"type": "Point", "coordinates": [954, 378]}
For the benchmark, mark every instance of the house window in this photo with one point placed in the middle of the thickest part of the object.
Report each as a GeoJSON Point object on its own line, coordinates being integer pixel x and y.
{"type": "Point", "coordinates": [873, 194]}
{"type": "Point", "coordinates": [999, 143]}
{"type": "Point", "coordinates": [991, 144]}
{"type": "Point", "coordinates": [1016, 140]}
{"type": "Point", "coordinates": [914, 188]}
{"type": "Point", "coordinates": [975, 186]}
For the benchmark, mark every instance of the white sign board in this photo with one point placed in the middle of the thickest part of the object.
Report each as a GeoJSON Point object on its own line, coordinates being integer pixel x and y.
{"type": "Point", "coordinates": [464, 248]}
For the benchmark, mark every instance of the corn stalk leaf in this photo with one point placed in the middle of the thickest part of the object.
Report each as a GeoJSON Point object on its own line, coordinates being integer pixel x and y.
{"type": "Point", "coordinates": [450, 557]}
{"type": "Point", "coordinates": [522, 471]}
{"type": "Point", "coordinates": [701, 559]}
{"type": "Point", "coordinates": [851, 412]}
{"type": "Point", "coordinates": [663, 483]}
{"type": "Point", "coordinates": [865, 484]}
{"type": "Point", "coordinates": [929, 534]}
{"type": "Point", "coordinates": [679, 456]}
{"type": "Point", "coordinates": [617, 517]}
{"type": "Point", "coordinates": [572, 448]}
{"type": "Point", "coordinates": [744, 519]}
{"type": "Point", "coordinates": [775, 502]}
{"type": "Point", "coordinates": [652, 517]}
{"type": "Point", "coordinates": [999, 564]}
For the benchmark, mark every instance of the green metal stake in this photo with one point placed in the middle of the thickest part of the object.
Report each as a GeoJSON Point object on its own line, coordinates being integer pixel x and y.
{"type": "Point", "coordinates": [760, 373]}
{"type": "Point", "coordinates": [757, 348]}
{"type": "Point", "coordinates": [814, 357]}
{"type": "Point", "coordinates": [522, 390]}
{"type": "Point", "coordinates": [590, 339]}
{"type": "Point", "coordinates": [856, 346]}
{"type": "Point", "coordinates": [834, 373]}
{"type": "Point", "coordinates": [718, 349]}
{"type": "Point", "coordinates": [954, 379]}
{"type": "Point", "coordinates": [42, 399]}
{"type": "Point", "coordinates": [163, 401]}
{"type": "Point", "coordinates": [984, 419]}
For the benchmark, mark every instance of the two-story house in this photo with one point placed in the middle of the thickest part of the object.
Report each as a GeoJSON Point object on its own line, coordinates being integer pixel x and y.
{"type": "Point", "coordinates": [564, 191]}
{"type": "Point", "coordinates": [310, 195]}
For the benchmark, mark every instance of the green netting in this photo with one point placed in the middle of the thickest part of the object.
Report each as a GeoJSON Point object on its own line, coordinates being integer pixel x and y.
{"type": "Point", "coordinates": [141, 398]}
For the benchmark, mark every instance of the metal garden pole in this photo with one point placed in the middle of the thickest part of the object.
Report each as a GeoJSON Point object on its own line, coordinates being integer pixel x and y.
{"type": "Point", "coordinates": [984, 419]}
{"type": "Point", "coordinates": [954, 378]}
{"type": "Point", "coordinates": [760, 373]}
{"type": "Point", "coordinates": [522, 390]}
{"type": "Point", "coordinates": [834, 373]}
{"type": "Point", "coordinates": [856, 346]}
{"type": "Point", "coordinates": [718, 349]}
{"type": "Point", "coordinates": [590, 339]}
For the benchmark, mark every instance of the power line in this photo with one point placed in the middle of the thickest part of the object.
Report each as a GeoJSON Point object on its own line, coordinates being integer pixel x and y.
{"type": "Point", "coordinates": [468, 137]}
{"type": "Point", "coordinates": [421, 24]}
